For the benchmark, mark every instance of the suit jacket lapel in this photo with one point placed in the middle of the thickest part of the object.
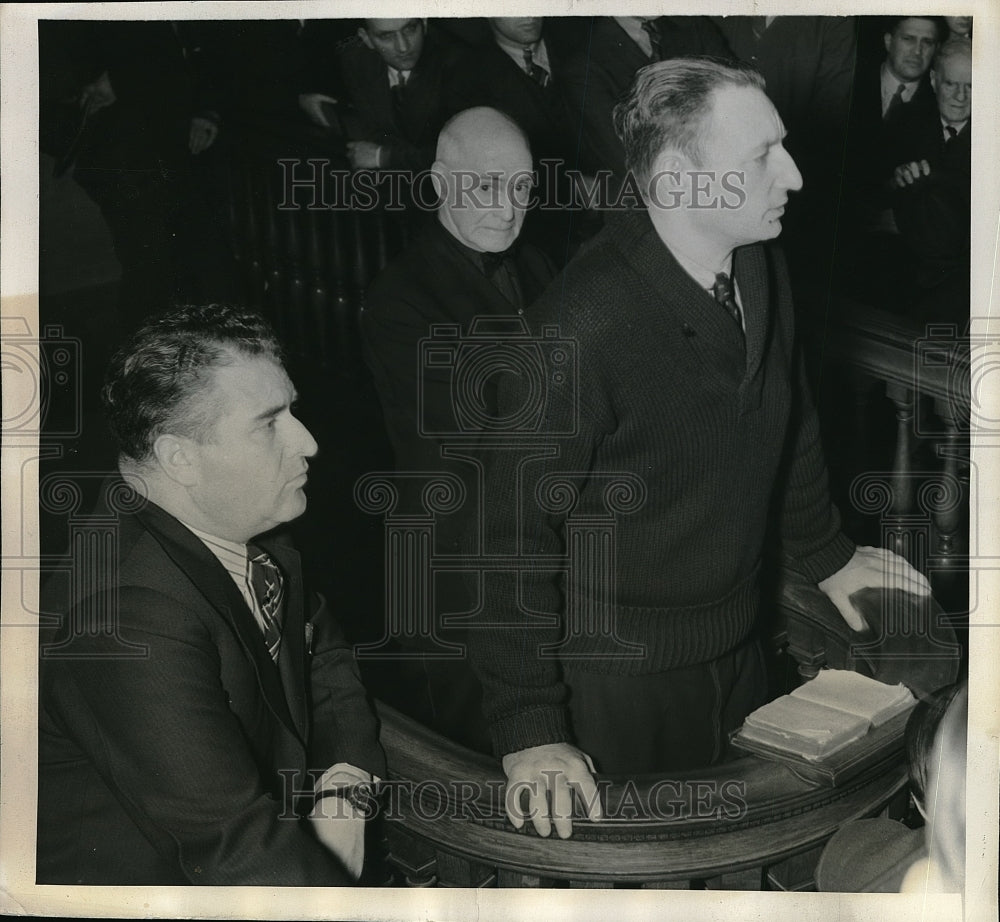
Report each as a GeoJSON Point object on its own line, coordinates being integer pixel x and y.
{"type": "Point", "coordinates": [213, 582]}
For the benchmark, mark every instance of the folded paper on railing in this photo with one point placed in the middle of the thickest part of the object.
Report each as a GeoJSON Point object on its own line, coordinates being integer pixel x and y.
{"type": "Point", "coordinates": [839, 720]}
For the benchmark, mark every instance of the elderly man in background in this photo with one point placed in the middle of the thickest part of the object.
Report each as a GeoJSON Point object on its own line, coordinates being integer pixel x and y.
{"type": "Point", "coordinates": [689, 380]}
{"type": "Point", "coordinates": [932, 197]}
{"type": "Point", "coordinates": [468, 265]}
{"type": "Point", "coordinates": [188, 744]}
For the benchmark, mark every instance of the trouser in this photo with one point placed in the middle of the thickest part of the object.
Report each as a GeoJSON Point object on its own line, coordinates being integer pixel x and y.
{"type": "Point", "coordinates": [665, 721]}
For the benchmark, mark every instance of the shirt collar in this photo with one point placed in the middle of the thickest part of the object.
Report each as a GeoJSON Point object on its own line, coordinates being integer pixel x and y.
{"type": "Point", "coordinates": [231, 554]}
{"type": "Point", "coordinates": [394, 79]}
{"type": "Point", "coordinates": [633, 28]}
{"type": "Point", "coordinates": [958, 128]}
{"type": "Point", "coordinates": [515, 51]}
{"type": "Point", "coordinates": [890, 83]}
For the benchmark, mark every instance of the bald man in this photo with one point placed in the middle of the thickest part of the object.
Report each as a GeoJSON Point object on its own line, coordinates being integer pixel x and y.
{"type": "Point", "coordinates": [468, 264]}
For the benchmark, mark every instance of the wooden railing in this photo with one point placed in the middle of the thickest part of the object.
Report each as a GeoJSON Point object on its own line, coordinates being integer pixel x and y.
{"type": "Point", "coordinates": [746, 824]}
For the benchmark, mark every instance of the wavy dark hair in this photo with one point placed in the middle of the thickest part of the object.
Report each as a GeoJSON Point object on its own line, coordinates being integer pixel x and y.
{"type": "Point", "coordinates": [157, 381]}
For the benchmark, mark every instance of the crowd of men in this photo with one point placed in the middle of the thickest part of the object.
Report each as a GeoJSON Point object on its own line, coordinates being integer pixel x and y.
{"type": "Point", "coordinates": [214, 757]}
{"type": "Point", "coordinates": [860, 98]}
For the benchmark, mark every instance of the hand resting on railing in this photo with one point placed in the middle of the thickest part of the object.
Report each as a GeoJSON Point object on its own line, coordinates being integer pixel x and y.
{"type": "Point", "coordinates": [871, 568]}
{"type": "Point", "coordinates": [551, 777]}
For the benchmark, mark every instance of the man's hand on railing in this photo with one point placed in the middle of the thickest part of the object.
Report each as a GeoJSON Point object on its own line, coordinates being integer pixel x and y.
{"type": "Point", "coordinates": [871, 568]}
{"type": "Point", "coordinates": [551, 776]}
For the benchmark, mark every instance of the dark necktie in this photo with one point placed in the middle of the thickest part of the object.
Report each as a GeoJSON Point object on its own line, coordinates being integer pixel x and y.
{"type": "Point", "coordinates": [537, 73]}
{"type": "Point", "coordinates": [724, 295]}
{"type": "Point", "coordinates": [896, 101]}
{"type": "Point", "coordinates": [501, 270]}
{"type": "Point", "coordinates": [655, 43]}
{"type": "Point", "coordinates": [399, 93]}
{"type": "Point", "coordinates": [268, 587]}
{"type": "Point", "coordinates": [758, 25]}
{"type": "Point", "coordinates": [952, 133]}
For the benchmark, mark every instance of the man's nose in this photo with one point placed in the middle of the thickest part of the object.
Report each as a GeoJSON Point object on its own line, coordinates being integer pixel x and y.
{"type": "Point", "coordinates": [962, 92]}
{"type": "Point", "coordinates": [302, 439]}
{"type": "Point", "coordinates": [789, 176]}
{"type": "Point", "coordinates": [402, 43]}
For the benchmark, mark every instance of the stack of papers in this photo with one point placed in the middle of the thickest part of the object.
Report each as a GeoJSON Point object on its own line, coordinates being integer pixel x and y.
{"type": "Point", "coordinates": [826, 714]}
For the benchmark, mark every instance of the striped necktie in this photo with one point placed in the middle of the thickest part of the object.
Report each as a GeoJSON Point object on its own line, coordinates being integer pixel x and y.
{"type": "Point", "coordinates": [268, 587]}
{"type": "Point", "coordinates": [726, 297]}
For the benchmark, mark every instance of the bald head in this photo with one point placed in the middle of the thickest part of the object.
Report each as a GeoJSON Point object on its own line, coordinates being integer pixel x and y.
{"type": "Point", "coordinates": [474, 132]}
{"type": "Point", "coordinates": [483, 171]}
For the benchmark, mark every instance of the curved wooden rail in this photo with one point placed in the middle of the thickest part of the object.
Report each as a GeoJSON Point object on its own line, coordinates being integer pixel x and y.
{"type": "Point", "coordinates": [745, 815]}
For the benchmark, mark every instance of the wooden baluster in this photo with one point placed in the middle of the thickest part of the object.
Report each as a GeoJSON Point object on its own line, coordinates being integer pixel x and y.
{"type": "Point", "coordinates": [251, 234]}
{"type": "Point", "coordinates": [902, 467]}
{"type": "Point", "coordinates": [507, 878]}
{"type": "Point", "coordinates": [293, 291]}
{"type": "Point", "coordinates": [318, 295]}
{"type": "Point", "coordinates": [752, 879]}
{"type": "Point", "coordinates": [947, 515]}
{"type": "Point", "coordinates": [272, 260]}
{"type": "Point", "coordinates": [455, 871]}
{"type": "Point", "coordinates": [412, 856]}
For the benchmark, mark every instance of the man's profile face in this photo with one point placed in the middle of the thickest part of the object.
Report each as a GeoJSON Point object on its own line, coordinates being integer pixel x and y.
{"type": "Point", "coordinates": [952, 82]}
{"type": "Point", "coordinates": [910, 48]}
{"type": "Point", "coordinates": [252, 466]}
{"type": "Point", "coordinates": [399, 42]}
{"type": "Point", "coordinates": [523, 30]}
{"type": "Point", "coordinates": [488, 189]}
{"type": "Point", "coordinates": [742, 150]}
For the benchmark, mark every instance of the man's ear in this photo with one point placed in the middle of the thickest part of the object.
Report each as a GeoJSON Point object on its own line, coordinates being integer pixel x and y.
{"type": "Point", "coordinates": [176, 457]}
{"type": "Point", "coordinates": [667, 178]}
{"type": "Point", "coordinates": [363, 35]}
{"type": "Point", "coordinates": [887, 41]}
{"type": "Point", "coordinates": [934, 79]}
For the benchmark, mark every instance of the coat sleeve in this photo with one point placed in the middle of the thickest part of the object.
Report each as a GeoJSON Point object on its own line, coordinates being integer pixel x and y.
{"type": "Point", "coordinates": [343, 723]}
{"type": "Point", "coordinates": [161, 732]}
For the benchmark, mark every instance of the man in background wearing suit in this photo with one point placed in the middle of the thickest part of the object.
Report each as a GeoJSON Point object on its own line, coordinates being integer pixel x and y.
{"type": "Point", "coordinates": [886, 88]}
{"type": "Point", "coordinates": [197, 760]}
{"type": "Point", "coordinates": [932, 192]}
{"type": "Point", "coordinates": [402, 84]}
{"type": "Point", "coordinates": [469, 264]}
{"type": "Point", "coordinates": [600, 73]}
{"type": "Point", "coordinates": [522, 65]}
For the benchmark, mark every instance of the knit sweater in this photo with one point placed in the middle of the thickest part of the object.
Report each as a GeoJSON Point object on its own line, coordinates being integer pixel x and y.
{"type": "Point", "coordinates": [726, 444]}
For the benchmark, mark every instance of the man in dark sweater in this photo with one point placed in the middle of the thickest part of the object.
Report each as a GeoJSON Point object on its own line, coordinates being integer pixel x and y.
{"type": "Point", "coordinates": [690, 420]}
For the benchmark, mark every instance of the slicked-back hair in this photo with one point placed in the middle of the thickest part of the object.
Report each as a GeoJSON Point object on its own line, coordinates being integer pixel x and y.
{"type": "Point", "coordinates": [157, 381]}
{"type": "Point", "coordinates": [668, 105]}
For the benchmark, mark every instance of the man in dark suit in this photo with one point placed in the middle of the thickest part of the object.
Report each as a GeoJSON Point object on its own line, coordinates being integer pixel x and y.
{"type": "Point", "coordinates": [186, 740]}
{"type": "Point", "coordinates": [601, 72]}
{"type": "Point", "coordinates": [886, 87]}
{"type": "Point", "coordinates": [522, 63]}
{"type": "Point", "coordinates": [932, 193]}
{"type": "Point", "coordinates": [401, 84]}
{"type": "Point", "coordinates": [468, 265]}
